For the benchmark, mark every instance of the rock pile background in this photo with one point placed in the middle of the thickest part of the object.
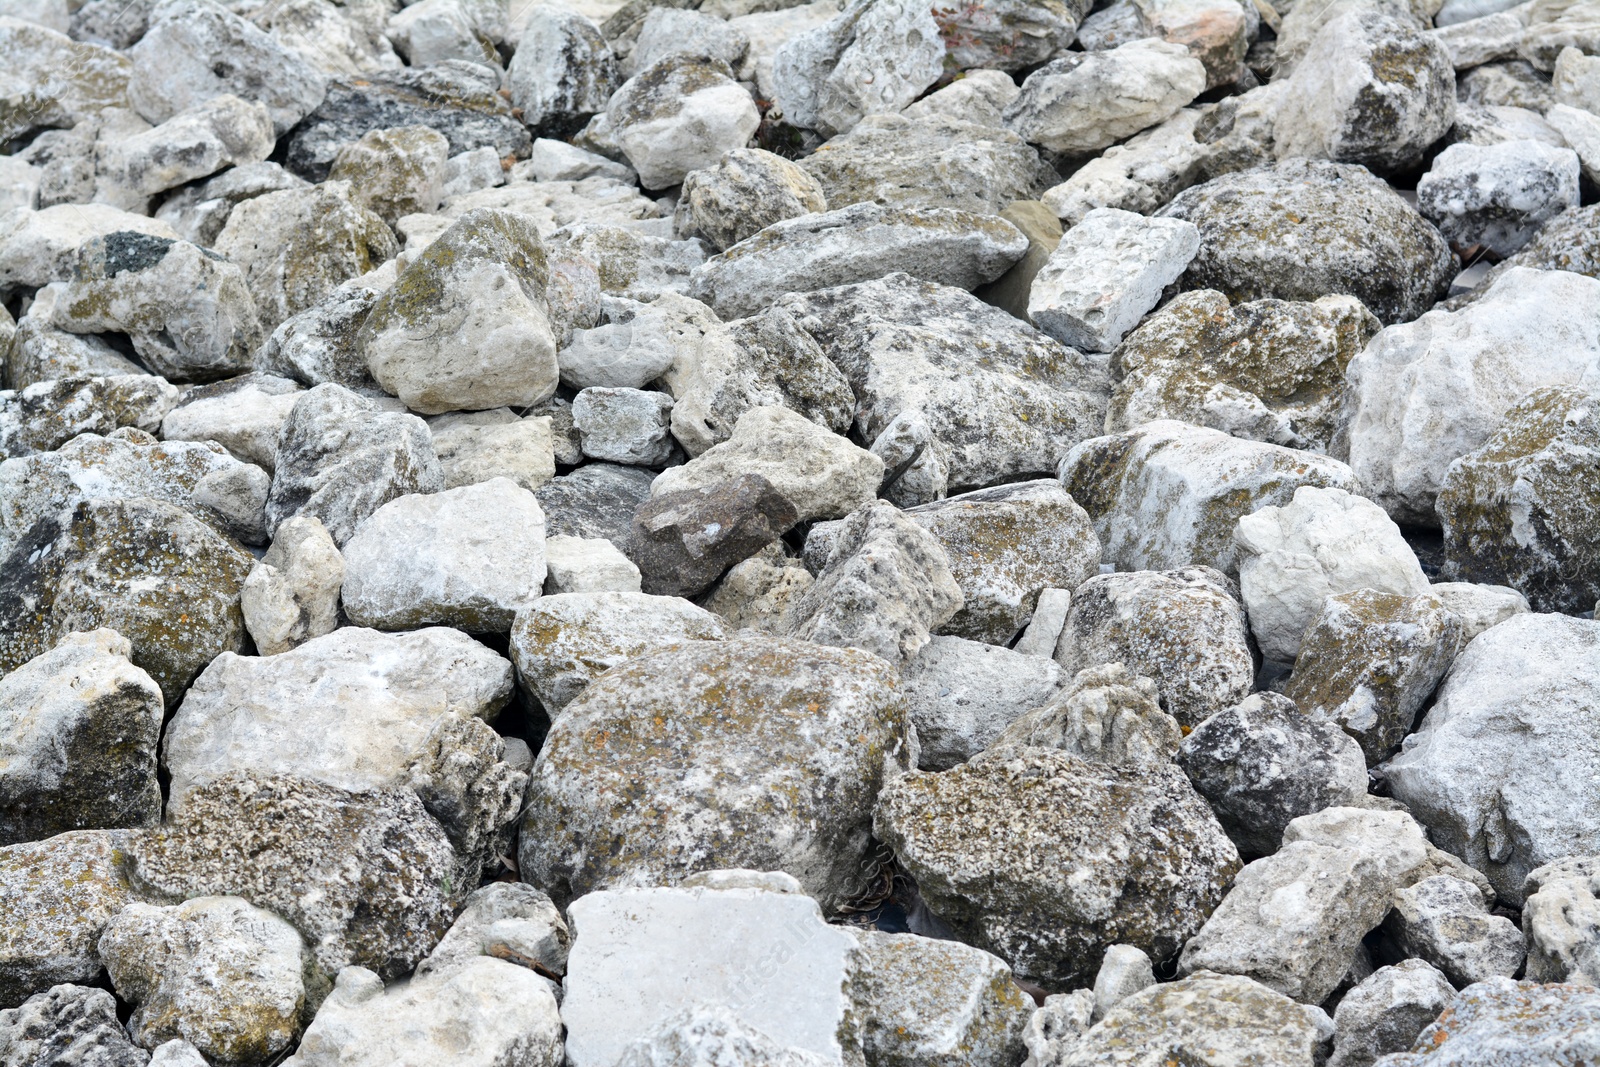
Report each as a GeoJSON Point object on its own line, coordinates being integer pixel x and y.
{"type": "Point", "coordinates": [744, 533]}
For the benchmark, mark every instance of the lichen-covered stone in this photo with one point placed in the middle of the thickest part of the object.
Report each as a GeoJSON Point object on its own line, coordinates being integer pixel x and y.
{"type": "Point", "coordinates": [157, 575]}
{"type": "Point", "coordinates": [746, 191]}
{"type": "Point", "coordinates": [242, 414]}
{"type": "Point", "coordinates": [1498, 195]}
{"type": "Point", "coordinates": [366, 877]}
{"type": "Point", "coordinates": [323, 343]}
{"type": "Point", "coordinates": [1045, 859]}
{"type": "Point", "coordinates": [78, 741]}
{"type": "Point", "coordinates": [1183, 629]}
{"type": "Point", "coordinates": [1256, 226]}
{"type": "Point", "coordinates": [43, 416]}
{"type": "Point", "coordinates": [394, 172]}
{"type": "Point", "coordinates": [765, 753]}
{"type": "Point", "coordinates": [56, 897]}
{"type": "Point", "coordinates": [53, 80]}
{"type": "Point", "coordinates": [1265, 370]}
{"type": "Point", "coordinates": [1505, 1023]}
{"type": "Point", "coordinates": [1445, 921]}
{"type": "Point", "coordinates": [1105, 715]}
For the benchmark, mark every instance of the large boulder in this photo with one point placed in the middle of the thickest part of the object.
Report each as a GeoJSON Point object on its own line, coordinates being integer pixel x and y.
{"type": "Point", "coordinates": [766, 753]}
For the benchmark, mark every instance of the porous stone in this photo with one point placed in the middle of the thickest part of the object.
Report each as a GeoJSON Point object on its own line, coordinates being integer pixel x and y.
{"type": "Point", "coordinates": [1386, 1012]}
{"type": "Point", "coordinates": [563, 70]}
{"type": "Point", "coordinates": [744, 192]}
{"type": "Point", "coordinates": [68, 1024]}
{"type": "Point", "coordinates": [1183, 629]}
{"type": "Point", "coordinates": [1264, 370]}
{"type": "Point", "coordinates": [618, 425]}
{"type": "Point", "coordinates": [160, 577]}
{"type": "Point", "coordinates": [665, 30]}
{"type": "Point", "coordinates": [564, 642]}
{"type": "Point", "coordinates": [243, 415]}
{"type": "Point", "coordinates": [684, 541]}
{"type": "Point", "coordinates": [1561, 921]}
{"type": "Point", "coordinates": [1056, 1026]}
{"type": "Point", "coordinates": [703, 1035]}
{"type": "Point", "coordinates": [215, 971]}
{"type": "Point", "coordinates": [1079, 866]}
{"type": "Point", "coordinates": [1258, 230]}
{"type": "Point", "coordinates": [1169, 494]}
{"type": "Point", "coordinates": [1105, 715]}
{"type": "Point", "coordinates": [1443, 920]}
{"type": "Point", "coordinates": [341, 458]}
{"type": "Point", "coordinates": [1262, 764]}
{"type": "Point", "coordinates": [1498, 195]}
{"type": "Point", "coordinates": [80, 729]}
{"type": "Point", "coordinates": [963, 694]}
{"type": "Point", "coordinates": [1500, 1021]}
{"type": "Point", "coordinates": [54, 80]}
{"type": "Point", "coordinates": [854, 244]}
{"type": "Point", "coordinates": [1080, 103]}
{"type": "Point", "coordinates": [751, 721]}
{"type": "Point", "coordinates": [679, 114]}
{"type": "Point", "coordinates": [470, 452]}
{"type": "Point", "coordinates": [1323, 542]}
{"type": "Point", "coordinates": [1475, 364]}
{"type": "Point", "coordinates": [322, 343]}
{"type": "Point", "coordinates": [1498, 769]}
{"type": "Point", "coordinates": [365, 877]}
{"type": "Point", "coordinates": [1107, 272]}
{"type": "Point", "coordinates": [292, 593]}
{"type": "Point", "coordinates": [760, 592]}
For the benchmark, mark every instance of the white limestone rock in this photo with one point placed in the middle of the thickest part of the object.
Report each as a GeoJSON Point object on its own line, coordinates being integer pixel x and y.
{"type": "Point", "coordinates": [53, 80]}
{"type": "Point", "coordinates": [563, 70]}
{"type": "Point", "coordinates": [745, 192]}
{"type": "Point", "coordinates": [978, 96]}
{"type": "Point", "coordinates": [243, 415]}
{"type": "Point", "coordinates": [1323, 542]}
{"type": "Point", "coordinates": [665, 30]}
{"type": "Point", "coordinates": [1425, 393]}
{"type": "Point", "coordinates": [1124, 971]}
{"type": "Point", "coordinates": [292, 593]}
{"type": "Point", "coordinates": [223, 131]}
{"type": "Point", "coordinates": [1479, 606]}
{"type": "Point", "coordinates": [1083, 102]}
{"type": "Point", "coordinates": [1107, 272]}
{"type": "Point", "coordinates": [1105, 715]}
{"type": "Point", "coordinates": [678, 115]}
{"type": "Point", "coordinates": [587, 565]}
{"type": "Point", "coordinates": [47, 414]}
{"type": "Point", "coordinates": [476, 447]}
{"type": "Point", "coordinates": [1141, 174]}
{"type": "Point", "coordinates": [38, 247]}
{"type": "Point", "coordinates": [511, 921]}
{"type": "Point", "coordinates": [394, 172]}
{"type": "Point", "coordinates": [963, 694]}
{"type": "Point", "coordinates": [1444, 920]}
{"type": "Point", "coordinates": [618, 425]}
{"type": "Point", "coordinates": [1561, 920]}
{"type": "Point", "coordinates": [1497, 195]}
{"type": "Point", "coordinates": [631, 348]}
{"type": "Point", "coordinates": [557, 161]}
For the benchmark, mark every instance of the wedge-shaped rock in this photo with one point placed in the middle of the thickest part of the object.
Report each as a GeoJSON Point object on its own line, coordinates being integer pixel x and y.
{"type": "Point", "coordinates": [678, 115]}
{"type": "Point", "coordinates": [963, 694]}
{"type": "Point", "coordinates": [1083, 102]}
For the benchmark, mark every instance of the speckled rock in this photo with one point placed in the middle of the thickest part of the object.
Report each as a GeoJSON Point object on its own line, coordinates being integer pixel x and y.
{"type": "Point", "coordinates": [679, 114]}
{"type": "Point", "coordinates": [1516, 510]}
{"type": "Point", "coordinates": [157, 575]}
{"type": "Point", "coordinates": [1474, 364]}
{"type": "Point", "coordinates": [366, 878]}
{"type": "Point", "coordinates": [296, 246]}
{"type": "Point", "coordinates": [1498, 195]}
{"type": "Point", "coordinates": [394, 172]}
{"type": "Point", "coordinates": [596, 500]}
{"type": "Point", "coordinates": [1104, 715]}
{"type": "Point", "coordinates": [1561, 921]}
{"type": "Point", "coordinates": [1505, 1023]}
{"type": "Point", "coordinates": [198, 476]}
{"type": "Point", "coordinates": [1479, 606]}
{"type": "Point", "coordinates": [68, 1024]}
{"type": "Point", "coordinates": [1500, 769]}
{"type": "Point", "coordinates": [38, 246]}
{"type": "Point", "coordinates": [1444, 920]}
{"type": "Point", "coordinates": [1217, 1020]}
{"type": "Point", "coordinates": [483, 1011]}
{"type": "Point", "coordinates": [563, 70]}
{"type": "Point", "coordinates": [930, 1003]}
{"type": "Point", "coordinates": [977, 96]}
{"type": "Point", "coordinates": [199, 212]}
{"type": "Point", "coordinates": [292, 593]}
{"type": "Point", "coordinates": [620, 425]}
{"type": "Point", "coordinates": [1078, 867]}
{"type": "Point", "coordinates": [1081, 103]}
{"type": "Point", "coordinates": [56, 897]}
{"type": "Point", "coordinates": [854, 244]}
{"type": "Point", "coordinates": [739, 723]}
{"type": "Point", "coordinates": [874, 56]}
{"type": "Point", "coordinates": [221, 132]}
{"type": "Point", "coordinates": [963, 694]}
{"type": "Point", "coordinates": [684, 541]}
{"type": "Point", "coordinates": [744, 192]}
{"type": "Point", "coordinates": [1262, 764]}
{"type": "Point", "coordinates": [1370, 660]}
{"type": "Point", "coordinates": [1324, 542]}
{"type": "Point", "coordinates": [1386, 1012]}
{"type": "Point", "coordinates": [886, 585]}
{"type": "Point", "coordinates": [243, 415]}
{"type": "Point", "coordinates": [226, 976]}
{"type": "Point", "coordinates": [1257, 227]}
{"type": "Point", "coordinates": [1169, 494]}
{"type": "Point", "coordinates": [322, 343]}
{"type": "Point", "coordinates": [45, 415]}
{"type": "Point", "coordinates": [1183, 629]}
{"type": "Point", "coordinates": [562, 643]}
{"type": "Point", "coordinates": [54, 80]}
{"type": "Point", "coordinates": [80, 729]}
{"type": "Point", "coordinates": [906, 347]}
{"type": "Point", "coordinates": [1265, 370]}
{"type": "Point", "coordinates": [188, 313]}
{"type": "Point", "coordinates": [519, 449]}
{"type": "Point", "coordinates": [1570, 241]}
{"type": "Point", "coordinates": [341, 458]}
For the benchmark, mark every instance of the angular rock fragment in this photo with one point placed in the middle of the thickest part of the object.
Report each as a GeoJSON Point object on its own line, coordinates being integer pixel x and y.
{"type": "Point", "coordinates": [563, 70]}
{"type": "Point", "coordinates": [68, 1023]}
{"type": "Point", "coordinates": [596, 500]}
{"type": "Point", "coordinates": [243, 415]}
{"type": "Point", "coordinates": [624, 426]}
{"type": "Point", "coordinates": [394, 172]}
{"type": "Point", "coordinates": [1498, 195]}
{"type": "Point", "coordinates": [746, 191]}
{"type": "Point", "coordinates": [678, 115]}
{"type": "Point", "coordinates": [292, 593]}
{"type": "Point", "coordinates": [477, 447]}
{"type": "Point", "coordinates": [1105, 715]}
{"type": "Point", "coordinates": [1081, 103]}
{"type": "Point", "coordinates": [684, 541]}
{"type": "Point", "coordinates": [587, 565]}
{"type": "Point", "coordinates": [1499, 1019]}
{"type": "Point", "coordinates": [964, 694]}
{"type": "Point", "coordinates": [1386, 1012]}
{"type": "Point", "coordinates": [1443, 920]}
{"type": "Point", "coordinates": [1561, 921]}
{"type": "Point", "coordinates": [46, 415]}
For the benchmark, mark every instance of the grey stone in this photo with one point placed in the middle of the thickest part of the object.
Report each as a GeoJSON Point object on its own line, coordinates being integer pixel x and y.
{"type": "Point", "coordinates": [746, 191]}
{"type": "Point", "coordinates": [1386, 1012]}
{"type": "Point", "coordinates": [679, 114]}
{"type": "Point", "coordinates": [292, 593]}
{"type": "Point", "coordinates": [68, 1024]}
{"type": "Point", "coordinates": [1124, 971]}
{"type": "Point", "coordinates": [45, 415]}
{"type": "Point", "coordinates": [394, 172]}
{"type": "Point", "coordinates": [1081, 103]}
{"type": "Point", "coordinates": [1443, 920]}
{"type": "Point", "coordinates": [963, 694]}
{"type": "Point", "coordinates": [243, 415]}
{"type": "Point", "coordinates": [596, 500]}
{"type": "Point", "coordinates": [1561, 921]}
{"type": "Point", "coordinates": [519, 449]}
{"type": "Point", "coordinates": [563, 70]}
{"type": "Point", "coordinates": [1514, 1024]}
{"type": "Point", "coordinates": [684, 541]}
{"type": "Point", "coordinates": [619, 425]}
{"type": "Point", "coordinates": [1105, 715]}
{"type": "Point", "coordinates": [1498, 195]}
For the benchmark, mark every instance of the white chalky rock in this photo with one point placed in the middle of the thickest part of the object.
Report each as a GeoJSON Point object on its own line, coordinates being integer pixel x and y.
{"type": "Point", "coordinates": [641, 956]}
{"type": "Point", "coordinates": [1125, 970]}
{"type": "Point", "coordinates": [979, 96]}
{"type": "Point", "coordinates": [470, 557]}
{"type": "Point", "coordinates": [1085, 101]}
{"type": "Point", "coordinates": [19, 184]}
{"type": "Point", "coordinates": [557, 161]}
{"type": "Point", "coordinates": [963, 694]}
{"type": "Point", "coordinates": [680, 114]}
{"type": "Point", "coordinates": [875, 56]}
{"type": "Point", "coordinates": [1576, 80]}
{"type": "Point", "coordinates": [1139, 175]}
{"type": "Point", "coordinates": [563, 70]}
{"type": "Point", "coordinates": [709, 1036]}
{"type": "Point", "coordinates": [506, 920]}
{"type": "Point", "coordinates": [467, 172]}
{"type": "Point", "coordinates": [52, 80]}
{"type": "Point", "coordinates": [221, 132]}
{"type": "Point", "coordinates": [666, 30]}
{"type": "Point", "coordinates": [1445, 921]}
{"type": "Point", "coordinates": [1323, 542]}
{"type": "Point", "coordinates": [1561, 918]}
{"type": "Point", "coordinates": [1425, 393]}
{"type": "Point", "coordinates": [1168, 494]}
{"type": "Point", "coordinates": [1503, 769]}
{"type": "Point", "coordinates": [1580, 128]}
{"type": "Point", "coordinates": [484, 1013]}
{"type": "Point", "coordinates": [587, 565]}
{"type": "Point", "coordinates": [216, 971]}
{"type": "Point", "coordinates": [292, 593]}
{"type": "Point", "coordinates": [631, 350]}
{"type": "Point", "coordinates": [1497, 195]}
{"type": "Point", "coordinates": [243, 415]}
{"type": "Point", "coordinates": [1039, 637]}
{"type": "Point", "coordinates": [38, 247]}
{"type": "Point", "coordinates": [862, 242]}
{"type": "Point", "coordinates": [195, 51]}
{"type": "Point", "coordinates": [1479, 607]}
{"type": "Point", "coordinates": [1107, 272]}
{"type": "Point", "coordinates": [821, 473]}
{"type": "Point", "coordinates": [435, 31]}
{"type": "Point", "coordinates": [472, 451]}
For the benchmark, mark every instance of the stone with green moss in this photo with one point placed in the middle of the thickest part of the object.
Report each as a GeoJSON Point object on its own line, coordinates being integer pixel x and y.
{"type": "Point", "coordinates": [765, 753]}
{"type": "Point", "coordinates": [1046, 859]}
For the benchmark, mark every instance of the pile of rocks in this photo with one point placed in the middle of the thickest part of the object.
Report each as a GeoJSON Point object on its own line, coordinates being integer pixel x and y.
{"type": "Point", "coordinates": [754, 533]}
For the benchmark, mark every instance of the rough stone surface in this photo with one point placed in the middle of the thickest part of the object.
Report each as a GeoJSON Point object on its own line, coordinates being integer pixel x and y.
{"type": "Point", "coordinates": [292, 593]}
{"type": "Point", "coordinates": [1105, 715]}
{"type": "Point", "coordinates": [1081, 103]}
{"type": "Point", "coordinates": [68, 1024]}
{"type": "Point", "coordinates": [45, 415]}
{"type": "Point", "coordinates": [963, 694]}
{"type": "Point", "coordinates": [1498, 195]}
{"type": "Point", "coordinates": [1501, 1021]}
{"type": "Point", "coordinates": [684, 541]}
{"type": "Point", "coordinates": [1386, 1012]}
{"type": "Point", "coordinates": [678, 115]}
{"type": "Point", "coordinates": [243, 415]}
{"type": "Point", "coordinates": [1561, 921]}
{"type": "Point", "coordinates": [746, 191]}
{"type": "Point", "coordinates": [1443, 920]}
{"type": "Point", "coordinates": [563, 70]}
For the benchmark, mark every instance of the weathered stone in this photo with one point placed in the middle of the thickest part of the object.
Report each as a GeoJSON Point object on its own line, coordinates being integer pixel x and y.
{"type": "Point", "coordinates": [684, 541]}
{"type": "Point", "coordinates": [1169, 494]}
{"type": "Point", "coordinates": [703, 1036]}
{"type": "Point", "coordinates": [1386, 1012]}
{"type": "Point", "coordinates": [1124, 971]}
{"type": "Point", "coordinates": [679, 114]}
{"type": "Point", "coordinates": [394, 172]}
{"type": "Point", "coordinates": [341, 458]}
{"type": "Point", "coordinates": [68, 1024]}
{"type": "Point", "coordinates": [1141, 174]}
{"type": "Point", "coordinates": [227, 977]}
{"type": "Point", "coordinates": [1183, 629]}
{"type": "Point", "coordinates": [198, 141]}
{"type": "Point", "coordinates": [243, 415]}
{"type": "Point", "coordinates": [1256, 229]}
{"type": "Point", "coordinates": [1081, 103]}
{"type": "Point", "coordinates": [744, 192]}
{"type": "Point", "coordinates": [977, 96]}
{"type": "Point", "coordinates": [45, 415]}
{"type": "Point", "coordinates": [563, 70]}
{"type": "Point", "coordinates": [1499, 771]}
{"type": "Point", "coordinates": [1079, 866]}
{"type": "Point", "coordinates": [365, 877]}
{"type": "Point", "coordinates": [562, 643]}
{"type": "Point", "coordinates": [963, 694]}
{"type": "Point", "coordinates": [855, 244]}
{"type": "Point", "coordinates": [1264, 370]}
{"type": "Point", "coordinates": [38, 247]}
{"type": "Point", "coordinates": [1386, 834]}
{"type": "Point", "coordinates": [1056, 1026]}
{"type": "Point", "coordinates": [1498, 195]}
{"type": "Point", "coordinates": [1443, 920]}
{"type": "Point", "coordinates": [292, 593]}
{"type": "Point", "coordinates": [666, 30]}
{"type": "Point", "coordinates": [596, 500]}
{"type": "Point", "coordinates": [322, 343]}
{"type": "Point", "coordinates": [1561, 921]}
{"type": "Point", "coordinates": [777, 752]}
{"type": "Point", "coordinates": [1104, 715]}
{"type": "Point", "coordinates": [630, 262]}
{"type": "Point", "coordinates": [506, 920]}
{"type": "Point", "coordinates": [631, 348]}
{"type": "Point", "coordinates": [53, 80]}
{"type": "Point", "coordinates": [587, 565]}
{"type": "Point", "coordinates": [471, 452]}
{"type": "Point", "coordinates": [1514, 1024]}
{"type": "Point", "coordinates": [619, 425]}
